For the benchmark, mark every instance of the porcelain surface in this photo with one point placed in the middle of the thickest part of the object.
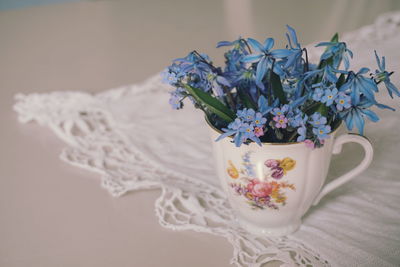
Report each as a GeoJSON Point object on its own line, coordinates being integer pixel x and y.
{"type": "Point", "coordinates": [271, 187]}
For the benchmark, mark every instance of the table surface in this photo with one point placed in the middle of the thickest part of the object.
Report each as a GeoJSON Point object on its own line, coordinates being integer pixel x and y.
{"type": "Point", "coordinates": [52, 214]}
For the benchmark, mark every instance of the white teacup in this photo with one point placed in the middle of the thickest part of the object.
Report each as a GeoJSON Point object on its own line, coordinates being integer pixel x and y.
{"type": "Point", "coordinates": [271, 187]}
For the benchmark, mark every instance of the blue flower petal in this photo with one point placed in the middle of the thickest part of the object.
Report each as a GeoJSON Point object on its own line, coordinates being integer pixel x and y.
{"type": "Point", "coordinates": [298, 101]}
{"type": "Point", "coordinates": [355, 94]}
{"type": "Point", "coordinates": [217, 89]}
{"type": "Point", "coordinates": [329, 75]}
{"type": "Point", "coordinates": [349, 52]}
{"type": "Point", "coordinates": [378, 61]}
{"type": "Point", "coordinates": [222, 80]}
{"type": "Point", "coordinates": [310, 74]}
{"type": "Point", "coordinates": [391, 88]}
{"type": "Point", "coordinates": [366, 86]}
{"type": "Point", "coordinates": [370, 114]}
{"type": "Point", "coordinates": [238, 139]}
{"type": "Point", "coordinates": [256, 45]}
{"type": "Point", "coordinates": [224, 43]}
{"type": "Point", "coordinates": [349, 120]}
{"type": "Point", "coordinates": [222, 136]}
{"type": "Point", "coordinates": [359, 121]}
{"type": "Point", "coordinates": [382, 106]}
{"type": "Point", "coordinates": [278, 70]}
{"type": "Point", "coordinates": [290, 60]}
{"type": "Point", "coordinates": [325, 44]}
{"type": "Point", "coordinates": [256, 139]}
{"type": "Point", "coordinates": [262, 104]}
{"type": "Point", "coordinates": [345, 86]}
{"type": "Point", "coordinates": [268, 44]}
{"type": "Point", "coordinates": [261, 70]}
{"type": "Point", "coordinates": [293, 35]}
{"type": "Point", "coordinates": [346, 62]}
{"type": "Point", "coordinates": [363, 71]}
{"type": "Point", "coordinates": [252, 58]}
{"type": "Point", "coordinates": [281, 53]}
{"type": "Point", "coordinates": [326, 55]}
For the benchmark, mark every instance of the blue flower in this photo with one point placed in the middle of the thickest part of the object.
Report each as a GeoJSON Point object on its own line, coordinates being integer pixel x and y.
{"type": "Point", "coordinates": [298, 120]}
{"type": "Point", "coordinates": [175, 102]}
{"type": "Point", "coordinates": [233, 128]}
{"type": "Point", "coordinates": [337, 51]}
{"type": "Point", "coordinates": [280, 111]}
{"type": "Point", "coordinates": [247, 132]}
{"type": "Point", "coordinates": [383, 75]}
{"type": "Point", "coordinates": [357, 113]}
{"type": "Point", "coordinates": [358, 84]}
{"type": "Point", "coordinates": [193, 63]}
{"type": "Point", "coordinates": [246, 115]}
{"type": "Point", "coordinates": [322, 131]}
{"type": "Point", "coordinates": [298, 101]}
{"type": "Point", "coordinates": [239, 44]}
{"type": "Point", "coordinates": [194, 70]}
{"type": "Point", "coordinates": [264, 57]}
{"type": "Point", "coordinates": [302, 133]}
{"type": "Point", "coordinates": [217, 81]}
{"type": "Point", "coordinates": [292, 38]}
{"type": "Point", "coordinates": [242, 130]}
{"type": "Point", "coordinates": [233, 61]}
{"type": "Point", "coordinates": [317, 94]}
{"type": "Point", "coordinates": [342, 101]}
{"type": "Point", "coordinates": [246, 81]}
{"type": "Point", "coordinates": [233, 57]}
{"type": "Point", "coordinates": [263, 105]}
{"type": "Point", "coordinates": [176, 98]}
{"type": "Point", "coordinates": [243, 81]}
{"type": "Point", "coordinates": [327, 73]}
{"type": "Point", "coordinates": [259, 120]}
{"type": "Point", "coordinates": [169, 77]}
{"type": "Point", "coordinates": [327, 78]}
{"type": "Point", "coordinates": [294, 59]}
{"type": "Point", "coordinates": [317, 120]}
{"type": "Point", "coordinates": [329, 96]}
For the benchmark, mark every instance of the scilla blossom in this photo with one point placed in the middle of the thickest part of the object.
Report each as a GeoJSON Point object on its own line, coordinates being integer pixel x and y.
{"type": "Point", "coordinates": [267, 95]}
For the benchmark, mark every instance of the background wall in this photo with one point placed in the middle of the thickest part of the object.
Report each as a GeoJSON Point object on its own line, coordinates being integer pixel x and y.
{"type": "Point", "coordinates": [317, 19]}
{"type": "Point", "coordinates": [84, 40]}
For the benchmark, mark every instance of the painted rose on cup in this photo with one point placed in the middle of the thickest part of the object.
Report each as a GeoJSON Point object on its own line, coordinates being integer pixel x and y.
{"type": "Point", "coordinates": [258, 188]}
{"type": "Point", "coordinates": [262, 192]}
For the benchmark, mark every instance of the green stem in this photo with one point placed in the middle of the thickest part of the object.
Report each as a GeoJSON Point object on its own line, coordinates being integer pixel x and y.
{"type": "Point", "coordinates": [247, 44]}
{"type": "Point", "coordinates": [311, 107]}
{"type": "Point", "coordinates": [205, 61]}
{"type": "Point", "coordinates": [229, 99]}
{"type": "Point", "coordinates": [291, 138]}
{"type": "Point", "coordinates": [269, 92]}
{"type": "Point", "coordinates": [306, 66]}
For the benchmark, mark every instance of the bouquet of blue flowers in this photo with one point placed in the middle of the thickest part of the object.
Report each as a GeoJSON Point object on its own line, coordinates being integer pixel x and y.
{"type": "Point", "coordinates": [276, 95]}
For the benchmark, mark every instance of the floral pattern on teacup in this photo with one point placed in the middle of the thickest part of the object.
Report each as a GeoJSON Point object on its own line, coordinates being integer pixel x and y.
{"type": "Point", "coordinates": [267, 191]}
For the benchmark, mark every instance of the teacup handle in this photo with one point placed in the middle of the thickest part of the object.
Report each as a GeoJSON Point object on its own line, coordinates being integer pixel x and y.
{"type": "Point", "coordinates": [337, 148]}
